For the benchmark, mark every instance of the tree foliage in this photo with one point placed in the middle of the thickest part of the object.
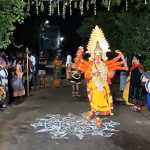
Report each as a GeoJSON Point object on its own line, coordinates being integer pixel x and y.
{"type": "Point", "coordinates": [11, 12]}
{"type": "Point", "coordinates": [106, 22]}
{"type": "Point", "coordinates": [128, 31]}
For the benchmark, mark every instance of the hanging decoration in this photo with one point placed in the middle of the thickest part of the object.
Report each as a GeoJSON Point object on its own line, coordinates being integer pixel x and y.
{"type": "Point", "coordinates": [70, 6]}
{"type": "Point", "coordinates": [126, 5]}
{"type": "Point", "coordinates": [37, 7]}
{"type": "Point", "coordinates": [75, 4]}
{"type": "Point", "coordinates": [87, 5]}
{"type": "Point", "coordinates": [145, 2]}
{"type": "Point", "coordinates": [42, 7]}
{"type": "Point", "coordinates": [95, 8]}
{"type": "Point", "coordinates": [64, 10]}
{"type": "Point", "coordinates": [81, 7]}
{"type": "Point", "coordinates": [62, 5]}
{"type": "Point", "coordinates": [92, 1]}
{"type": "Point", "coordinates": [28, 7]}
{"type": "Point", "coordinates": [50, 9]}
{"type": "Point", "coordinates": [109, 3]}
{"type": "Point", "coordinates": [58, 7]}
{"type": "Point", "coordinates": [53, 9]}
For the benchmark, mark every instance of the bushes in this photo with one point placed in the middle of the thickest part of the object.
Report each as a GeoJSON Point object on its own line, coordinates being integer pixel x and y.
{"type": "Point", "coordinates": [11, 12]}
{"type": "Point", "coordinates": [127, 31]}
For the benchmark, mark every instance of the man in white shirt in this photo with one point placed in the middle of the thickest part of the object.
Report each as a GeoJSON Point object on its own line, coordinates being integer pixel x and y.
{"type": "Point", "coordinates": [68, 60]}
{"type": "Point", "coordinates": [32, 59]}
{"type": "Point", "coordinates": [68, 66]}
{"type": "Point", "coordinates": [32, 74]}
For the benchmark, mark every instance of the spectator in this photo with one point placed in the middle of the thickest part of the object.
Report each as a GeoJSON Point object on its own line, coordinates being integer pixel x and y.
{"type": "Point", "coordinates": [32, 68]}
{"type": "Point", "coordinates": [17, 81]}
{"type": "Point", "coordinates": [3, 83]}
{"type": "Point", "coordinates": [123, 76]}
{"type": "Point", "coordinates": [68, 66]}
{"type": "Point", "coordinates": [136, 89]}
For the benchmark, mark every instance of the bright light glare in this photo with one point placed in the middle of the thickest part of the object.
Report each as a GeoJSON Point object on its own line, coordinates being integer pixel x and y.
{"type": "Point", "coordinates": [47, 22]}
{"type": "Point", "coordinates": [61, 38]}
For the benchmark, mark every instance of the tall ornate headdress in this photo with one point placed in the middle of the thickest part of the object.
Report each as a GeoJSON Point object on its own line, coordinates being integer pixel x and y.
{"type": "Point", "coordinates": [97, 37]}
{"type": "Point", "coordinates": [98, 50]}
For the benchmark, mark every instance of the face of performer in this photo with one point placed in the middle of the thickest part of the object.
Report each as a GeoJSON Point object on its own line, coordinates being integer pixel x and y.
{"type": "Point", "coordinates": [135, 60]}
{"type": "Point", "coordinates": [98, 57]}
{"type": "Point", "coordinates": [80, 51]}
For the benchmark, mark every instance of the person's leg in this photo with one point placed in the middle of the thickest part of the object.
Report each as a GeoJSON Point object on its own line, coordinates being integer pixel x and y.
{"type": "Point", "coordinates": [6, 100]}
{"type": "Point", "coordinates": [121, 83]}
{"type": "Point", "coordinates": [34, 80]}
{"type": "Point", "coordinates": [131, 94]}
{"type": "Point", "coordinates": [90, 115]}
{"type": "Point", "coordinates": [45, 80]}
{"type": "Point", "coordinates": [77, 89]}
{"type": "Point", "coordinates": [73, 89]}
{"type": "Point", "coordinates": [40, 83]}
{"type": "Point", "coordinates": [140, 96]}
{"type": "Point", "coordinates": [30, 81]}
{"type": "Point", "coordinates": [98, 120]}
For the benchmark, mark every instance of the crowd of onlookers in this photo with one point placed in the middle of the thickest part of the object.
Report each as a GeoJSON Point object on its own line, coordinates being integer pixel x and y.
{"type": "Point", "coordinates": [13, 76]}
{"type": "Point", "coordinates": [134, 83]}
{"type": "Point", "coordinates": [17, 78]}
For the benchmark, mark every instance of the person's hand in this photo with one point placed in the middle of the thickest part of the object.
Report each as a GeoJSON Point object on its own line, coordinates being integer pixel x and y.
{"type": "Point", "coordinates": [119, 53]}
{"type": "Point", "coordinates": [128, 79]}
{"type": "Point", "coordinates": [126, 68]}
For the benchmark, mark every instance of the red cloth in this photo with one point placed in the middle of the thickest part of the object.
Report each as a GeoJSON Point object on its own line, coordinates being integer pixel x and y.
{"type": "Point", "coordinates": [134, 66]}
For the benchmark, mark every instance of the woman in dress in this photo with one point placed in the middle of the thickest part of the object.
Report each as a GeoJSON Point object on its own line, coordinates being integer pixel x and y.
{"type": "Point", "coordinates": [136, 89]}
{"type": "Point", "coordinates": [17, 81]}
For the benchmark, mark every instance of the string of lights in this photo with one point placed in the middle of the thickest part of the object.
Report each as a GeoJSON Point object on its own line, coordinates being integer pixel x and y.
{"type": "Point", "coordinates": [60, 6]}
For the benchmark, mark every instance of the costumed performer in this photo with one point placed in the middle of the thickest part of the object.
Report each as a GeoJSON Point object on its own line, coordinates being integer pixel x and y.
{"type": "Point", "coordinates": [98, 72]}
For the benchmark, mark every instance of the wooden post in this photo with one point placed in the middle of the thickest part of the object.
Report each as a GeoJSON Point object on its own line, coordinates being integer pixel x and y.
{"type": "Point", "coordinates": [27, 66]}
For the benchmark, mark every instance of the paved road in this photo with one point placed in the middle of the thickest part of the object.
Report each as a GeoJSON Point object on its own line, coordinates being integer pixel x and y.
{"type": "Point", "coordinates": [16, 132]}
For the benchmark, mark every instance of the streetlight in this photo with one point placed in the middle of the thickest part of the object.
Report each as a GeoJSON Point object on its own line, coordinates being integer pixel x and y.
{"type": "Point", "coordinates": [61, 39]}
{"type": "Point", "coordinates": [46, 22]}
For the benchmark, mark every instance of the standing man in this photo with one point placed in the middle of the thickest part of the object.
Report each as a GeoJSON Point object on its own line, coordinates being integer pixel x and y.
{"type": "Point", "coordinates": [32, 68]}
{"type": "Point", "coordinates": [68, 66]}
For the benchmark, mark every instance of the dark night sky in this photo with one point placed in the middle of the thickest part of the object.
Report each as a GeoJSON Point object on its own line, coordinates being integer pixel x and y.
{"type": "Point", "coordinates": [28, 33]}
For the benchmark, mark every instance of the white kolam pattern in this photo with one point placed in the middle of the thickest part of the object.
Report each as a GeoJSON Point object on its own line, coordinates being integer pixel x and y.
{"type": "Point", "coordinates": [62, 127]}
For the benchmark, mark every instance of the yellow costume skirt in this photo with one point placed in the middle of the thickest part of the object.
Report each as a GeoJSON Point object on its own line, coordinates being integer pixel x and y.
{"type": "Point", "coordinates": [126, 93]}
{"type": "Point", "coordinates": [101, 100]}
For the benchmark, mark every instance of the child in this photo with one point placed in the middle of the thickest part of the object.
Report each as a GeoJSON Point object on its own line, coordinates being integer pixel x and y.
{"type": "Point", "coordinates": [75, 80]}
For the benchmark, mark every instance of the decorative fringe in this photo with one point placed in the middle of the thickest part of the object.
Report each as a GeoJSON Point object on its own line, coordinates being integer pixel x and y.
{"type": "Point", "coordinates": [74, 4]}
